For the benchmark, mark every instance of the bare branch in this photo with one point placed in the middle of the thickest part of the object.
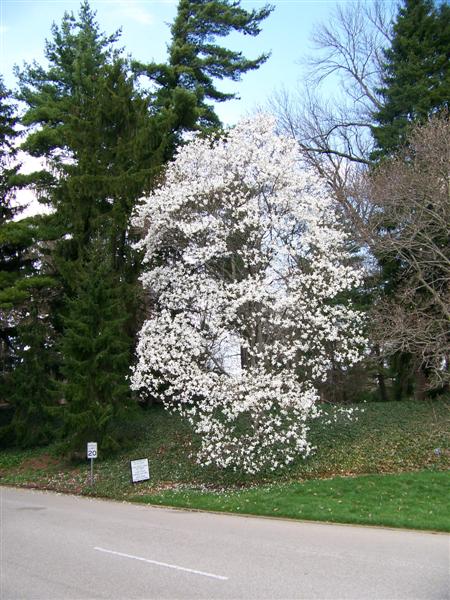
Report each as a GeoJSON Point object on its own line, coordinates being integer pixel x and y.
{"type": "Point", "coordinates": [410, 226]}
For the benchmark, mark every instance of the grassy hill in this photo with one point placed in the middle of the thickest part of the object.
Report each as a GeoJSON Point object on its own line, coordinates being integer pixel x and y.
{"type": "Point", "coordinates": [384, 440]}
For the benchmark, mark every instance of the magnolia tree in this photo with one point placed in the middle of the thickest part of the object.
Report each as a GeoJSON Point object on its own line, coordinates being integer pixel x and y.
{"type": "Point", "coordinates": [244, 263]}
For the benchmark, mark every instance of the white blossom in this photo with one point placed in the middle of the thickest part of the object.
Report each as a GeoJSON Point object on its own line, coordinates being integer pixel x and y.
{"type": "Point", "coordinates": [244, 262]}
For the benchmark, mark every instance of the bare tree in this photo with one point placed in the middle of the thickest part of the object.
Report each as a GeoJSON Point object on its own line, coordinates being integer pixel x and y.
{"type": "Point", "coordinates": [398, 212]}
{"type": "Point", "coordinates": [348, 53]}
{"type": "Point", "coordinates": [331, 113]}
{"type": "Point", "coordinates": [410, 225]}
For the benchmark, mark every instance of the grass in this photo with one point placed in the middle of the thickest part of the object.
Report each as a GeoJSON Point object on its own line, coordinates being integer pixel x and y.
{"type": "Point", "coordinates": [412, 500]}
{"type": "Point", "coordinates": [381, 468]}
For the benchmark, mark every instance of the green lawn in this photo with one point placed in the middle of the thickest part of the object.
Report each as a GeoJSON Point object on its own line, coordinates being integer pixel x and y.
{"type": "Point", "coordinates": [398, 439]}
{"type": "Point", "coordinates": [413, 500]}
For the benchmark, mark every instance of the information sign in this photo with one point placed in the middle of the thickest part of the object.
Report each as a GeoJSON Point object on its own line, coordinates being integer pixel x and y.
{"type": "Point", "coordinates": [92, 450]}
{"type": "Point", "coordinates": [139, 470]}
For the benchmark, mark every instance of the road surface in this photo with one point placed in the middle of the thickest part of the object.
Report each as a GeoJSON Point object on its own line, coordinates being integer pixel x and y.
{"type": "Point", "coordinates": [67, 547]}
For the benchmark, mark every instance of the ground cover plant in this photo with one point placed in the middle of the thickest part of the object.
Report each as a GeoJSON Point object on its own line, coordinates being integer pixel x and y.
{"type": "Point", "coordinates": [403, 446]}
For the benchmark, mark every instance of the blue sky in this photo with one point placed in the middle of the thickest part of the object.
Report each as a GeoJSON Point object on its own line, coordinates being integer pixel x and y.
{"type": "Point", "coordinates": [25, 24]}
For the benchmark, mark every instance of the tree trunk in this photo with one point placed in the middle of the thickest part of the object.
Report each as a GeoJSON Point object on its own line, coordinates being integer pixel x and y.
{"type": "Point", "coordinates": [380, 375]}
{"type": "Point", "coordinates": [420, 384]}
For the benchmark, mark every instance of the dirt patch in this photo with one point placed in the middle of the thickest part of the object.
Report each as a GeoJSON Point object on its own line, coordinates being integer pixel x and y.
{"type": "Point", "coordinates": [39, 463]}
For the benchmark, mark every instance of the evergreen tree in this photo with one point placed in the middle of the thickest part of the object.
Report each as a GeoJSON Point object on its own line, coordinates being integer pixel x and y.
{"type": "Point", "coordinates": [97, 354]}
{"type": "Point", "coordinates": [10, 245]}
{"type": "Point", "coordinates": [32, 391]}
{"type": "Point", "coordinates": [23, 281]}
{"type": "Point", "coordinates": [94, 130]}
{"type": "Point", "coordinates": [187, 81]}
{"type": "Point", "coordinates": [27, 337]}
{"type": "Point", "coordinates": [14, 239]}
{"type": "Point", "coordinates": [415, 73]}
{"type": "Point", "coordinates": [8, 151]}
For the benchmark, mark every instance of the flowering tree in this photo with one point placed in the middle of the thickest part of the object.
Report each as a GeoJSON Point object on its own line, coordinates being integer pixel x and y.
{"type": "Point", "coordinates": [244, 265]}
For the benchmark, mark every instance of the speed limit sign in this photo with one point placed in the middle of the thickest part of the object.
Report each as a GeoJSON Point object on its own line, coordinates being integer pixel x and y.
{"type": "Point", "coordinates": [92, 450]}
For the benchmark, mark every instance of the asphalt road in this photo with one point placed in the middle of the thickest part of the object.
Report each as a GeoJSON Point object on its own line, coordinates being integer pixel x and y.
{"type": "Point", "coordinates": [66, 547]}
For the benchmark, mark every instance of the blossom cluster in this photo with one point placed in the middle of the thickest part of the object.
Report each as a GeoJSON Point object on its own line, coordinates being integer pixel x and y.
{"type": "Point", "coordinates": [244, 263]}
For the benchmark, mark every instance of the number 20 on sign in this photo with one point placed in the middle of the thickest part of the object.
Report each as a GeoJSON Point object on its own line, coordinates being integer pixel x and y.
{"type": "Point", "coordinates": [92, 450]}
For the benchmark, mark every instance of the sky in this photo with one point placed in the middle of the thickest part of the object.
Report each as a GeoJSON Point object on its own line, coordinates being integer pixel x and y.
{"type": "Point", "coordinates": [25, 24]}
{"type": "Point", "coordinates": [145, 26]}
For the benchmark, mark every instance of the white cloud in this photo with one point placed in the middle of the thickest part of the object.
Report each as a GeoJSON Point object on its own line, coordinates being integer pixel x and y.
{"type": "Point", "coordinates": [135, 11]}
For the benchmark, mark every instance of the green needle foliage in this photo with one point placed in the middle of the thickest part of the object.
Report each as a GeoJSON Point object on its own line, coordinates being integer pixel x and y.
{"type": "Point", "coordinates": [15, 237]}
{"type": "Point", "coordinates": [24, 343]}
{"type": "Point", "coordinates": [187, 81]}
{"type": "Point", "coordinates": [87, 119]}
{"type": "Point", "coordinates": [416, 72]}
{"type": "Point", "coordinates": [32, 391]}
{"type": "Point", "coordinates": [103, 150]}
{"type": "Point", "coordinates": [96, 353]}
{"type": "Point", "coordinates": [8, 135]}
{"type": "Point", "coordinates": [14, 240]}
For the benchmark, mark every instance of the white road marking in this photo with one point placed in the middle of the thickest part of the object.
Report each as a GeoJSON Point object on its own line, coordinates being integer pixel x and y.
{"type": "Point", "coordinates": [162, 564]}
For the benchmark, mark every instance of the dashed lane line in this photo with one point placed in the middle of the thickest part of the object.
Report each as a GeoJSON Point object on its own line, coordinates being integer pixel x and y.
{"type": "Point", "coordinates": [161, 564]}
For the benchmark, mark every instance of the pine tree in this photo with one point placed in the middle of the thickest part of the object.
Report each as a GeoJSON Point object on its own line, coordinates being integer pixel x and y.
{"type": "Point", "coordinates": [8, 151]}
{"type": "Point", "coordinates": [187, 81]}
{"type": "Point", "coordinates": [97, 354]}
{"type": "Point", "coordinates": [415, 74]}
{"type": "Point", "coordinates": [23, 281]}
{"type": "Point", "coordinates": [15, 238]}
{"type": "Point", "coordinates": [94, 129]}
{"type": "Point", "coordinates": [87, 119]}
{"type": "Point", "coordinates": [9, 251]}
{"type": "Point", "coordinates": [32, 391]}
{"type": "Point", "coordinates": [102, 141]}
{"type": "Point", "coordinates": [11, 245]}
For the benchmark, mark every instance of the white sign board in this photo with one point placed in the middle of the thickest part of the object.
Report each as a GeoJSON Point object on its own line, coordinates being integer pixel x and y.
{"type": "Point", "coordinates": [92, 450]}
{"type": "Point", "coordinates": [139, 470]}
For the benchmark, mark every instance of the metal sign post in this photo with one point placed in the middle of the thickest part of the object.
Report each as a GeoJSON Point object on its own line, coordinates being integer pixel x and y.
{"type": "Point", "coordinates": [91, 454]}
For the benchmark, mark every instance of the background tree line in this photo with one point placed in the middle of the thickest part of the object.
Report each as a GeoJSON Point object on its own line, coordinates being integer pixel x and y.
{"type": "Point", "coordinates": [71, 302]}
{"type": "Point", "coordinates": [373, 144]}
{"type": "Point", "coordinates": [104, 126]}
